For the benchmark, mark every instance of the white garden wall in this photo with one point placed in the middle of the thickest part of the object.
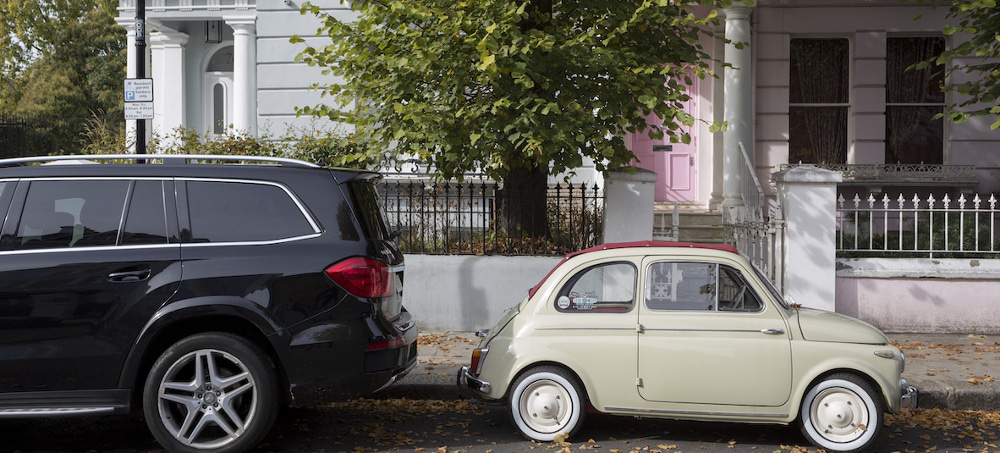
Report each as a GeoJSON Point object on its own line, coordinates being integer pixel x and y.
{"type": "Point", "coordinates": [921, 295]}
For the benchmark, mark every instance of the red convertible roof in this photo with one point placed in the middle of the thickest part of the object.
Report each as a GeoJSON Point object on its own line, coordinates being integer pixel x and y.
{"type": "Point", "coordinates": [624, 245]}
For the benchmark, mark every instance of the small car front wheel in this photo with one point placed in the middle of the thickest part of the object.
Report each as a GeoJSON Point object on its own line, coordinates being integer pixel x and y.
{"type": "Point", "coordinates": [842, 413]}
{"type": "Point", "coordinates": [211, 392]}
{"type": "Point", "coordinates": [546, 401]}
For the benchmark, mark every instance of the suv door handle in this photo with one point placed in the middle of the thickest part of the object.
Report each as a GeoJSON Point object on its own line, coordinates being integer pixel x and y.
{"type": "Point", "coordinates": [129, 276]}
{"type": "Point", "coordinates": [773, 331]}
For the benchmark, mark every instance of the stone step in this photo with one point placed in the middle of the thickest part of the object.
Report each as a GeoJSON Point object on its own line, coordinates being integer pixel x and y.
{"type": "Point", "coordinates": [692, 226]}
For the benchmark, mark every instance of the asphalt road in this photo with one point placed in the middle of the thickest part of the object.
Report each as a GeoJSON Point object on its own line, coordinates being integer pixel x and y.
{"type": "Point", "coordinates": [435, 426]}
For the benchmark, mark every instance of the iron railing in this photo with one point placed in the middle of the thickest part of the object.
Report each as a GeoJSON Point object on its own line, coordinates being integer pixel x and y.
{"type": "Point", "coordinates": [27, 137]}
{"type": "Point", "coordinates": [474, 218]}
{"type": "Point", "coordinates": [762, 241]}
{"type": "Point", "coordinates": [914, 227]}
{"type": "Point", "coordinates": [750, 189]}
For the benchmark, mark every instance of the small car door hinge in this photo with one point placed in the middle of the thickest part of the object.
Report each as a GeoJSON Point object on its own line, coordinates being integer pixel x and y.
{"type": "Point", "coordinates": [638, 382]}
{"type": "Point", "coordinates": [638, 328]}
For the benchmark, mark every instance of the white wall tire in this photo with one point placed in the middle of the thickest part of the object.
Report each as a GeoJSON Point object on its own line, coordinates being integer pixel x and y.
{"type": "Point", "coordinates": [546, 401]}
{"type": "Point", "coordinates": [842, 413]}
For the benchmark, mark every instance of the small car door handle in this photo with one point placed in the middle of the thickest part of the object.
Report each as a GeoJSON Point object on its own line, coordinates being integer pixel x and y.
{"type": "Point", "coordinates": [773, 331]}
{"type": "Point", "coordinates": [128, 276]}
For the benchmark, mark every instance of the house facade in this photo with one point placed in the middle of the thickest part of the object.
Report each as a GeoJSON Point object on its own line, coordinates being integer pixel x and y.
{"type": "Point", "coordinates": [822, 82]}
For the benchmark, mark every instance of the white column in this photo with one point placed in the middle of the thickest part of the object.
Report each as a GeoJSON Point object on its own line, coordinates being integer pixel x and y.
{"type": "Point", "coordinates": [628, 205]}
{"type": "Point", "coordinates": [169, 89]}
{"type": "Point", "coordinates": [244, 76]}
{"type": "Point", "coordinates": [808, 197]}
{"type": "Point", "coordinates": [738, 108]}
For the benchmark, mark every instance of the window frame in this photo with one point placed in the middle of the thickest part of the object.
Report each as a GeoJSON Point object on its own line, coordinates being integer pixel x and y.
{"type": "Point", "coordinates": [184, 212]}
{"type": "Point", "coordinates": [848, 104]}
{"type": "Point", "coordinates": [566, 285]}
{"type": "Point", "coordinates": [719, 268]}
{"type": "Point", "coordinates": [19, 197]}
{"type": "Point", "coordinates": [942, 106]}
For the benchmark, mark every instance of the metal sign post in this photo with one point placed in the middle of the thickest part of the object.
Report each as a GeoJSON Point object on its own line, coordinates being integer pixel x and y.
{"type": "Point", "coordinates": [140, 70]}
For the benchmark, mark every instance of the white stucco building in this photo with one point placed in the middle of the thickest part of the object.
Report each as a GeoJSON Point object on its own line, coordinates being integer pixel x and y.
{"type": "Point", "coordinates": [823, 81]}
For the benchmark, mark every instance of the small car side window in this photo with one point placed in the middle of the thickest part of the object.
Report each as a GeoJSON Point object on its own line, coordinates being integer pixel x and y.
{"type": "Point", "coordinates": [71, 214]}
{"type": "Point", "coordinates": [735, 294]}
{"type": "Point", "coordinates": [608, 287]}
{"type": "Point", "coordinates": [243, 212]}
{"type": "Point", "coordinates": [681, 286]}
{"type": "Point", "coordinates": [698, 287]}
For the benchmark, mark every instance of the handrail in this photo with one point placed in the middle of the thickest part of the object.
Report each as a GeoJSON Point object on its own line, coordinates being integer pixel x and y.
{"type": "Point", "coordinates": [754, 204]}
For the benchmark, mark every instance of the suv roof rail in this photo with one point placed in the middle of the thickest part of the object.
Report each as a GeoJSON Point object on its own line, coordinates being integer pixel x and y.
{"type": "Point", "coordinates": [166, 158]}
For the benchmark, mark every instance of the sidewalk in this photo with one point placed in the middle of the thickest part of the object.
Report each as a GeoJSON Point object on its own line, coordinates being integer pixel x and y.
{"type": "Point", "coordinates": [951, 371]}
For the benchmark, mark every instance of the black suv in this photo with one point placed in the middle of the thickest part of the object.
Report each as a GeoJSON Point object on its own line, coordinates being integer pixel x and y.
{"type": "Point", "coordinates": [205, 291]}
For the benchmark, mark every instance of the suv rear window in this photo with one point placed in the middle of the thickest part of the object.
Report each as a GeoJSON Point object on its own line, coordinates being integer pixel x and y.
{"type": "Point", "coordinates": [369, 214]}
{"type": "Point", "coordinates": [244, 212]}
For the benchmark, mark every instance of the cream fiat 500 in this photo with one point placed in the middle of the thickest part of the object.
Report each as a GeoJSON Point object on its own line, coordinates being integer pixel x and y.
{"type": "Point", "coordinates": [688, 332]}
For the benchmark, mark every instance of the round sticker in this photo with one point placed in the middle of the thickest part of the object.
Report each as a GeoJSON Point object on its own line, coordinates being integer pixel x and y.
{"type": "Point", "coordinates": [563, 302]}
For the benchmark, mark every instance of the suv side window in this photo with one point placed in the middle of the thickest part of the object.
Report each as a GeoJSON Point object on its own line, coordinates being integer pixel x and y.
{"type": "Point", "coordinates": [601, 288]}
{"type": "Point", "coordinates": [146, 222]}
{"type": "Point", "coordinates": [244, 212]}
{"type": "Point", "coordinates": [71, 213]}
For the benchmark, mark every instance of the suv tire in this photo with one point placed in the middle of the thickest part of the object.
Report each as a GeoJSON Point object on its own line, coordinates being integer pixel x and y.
{"type": "Point", "coordinates": [211, 392]}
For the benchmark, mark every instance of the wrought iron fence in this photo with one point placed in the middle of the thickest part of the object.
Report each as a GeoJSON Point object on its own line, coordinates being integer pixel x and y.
{"type": "Point", "coordinates": [25, 137]}
{"type": "Point", "coordinates": [761, 240]}
{"type": "Point", "coordinates": [911, 228]}
{"type": "Point", "coordinates": [474, 218]}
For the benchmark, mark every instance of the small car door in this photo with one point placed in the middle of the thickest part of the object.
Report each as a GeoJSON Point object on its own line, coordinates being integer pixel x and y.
{"type": "Point", "coordinates": [77, 286]}
{"type": "Point", "coordinates": [707, 336]}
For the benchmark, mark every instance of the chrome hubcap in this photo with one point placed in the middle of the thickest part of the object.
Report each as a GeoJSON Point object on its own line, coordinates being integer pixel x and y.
{"type": "Point", "coordinates": [840, 415]}
{"type": "Point", "coordinates": [546, 406]}
{"type": "Point", "coordinates": [207, 399]}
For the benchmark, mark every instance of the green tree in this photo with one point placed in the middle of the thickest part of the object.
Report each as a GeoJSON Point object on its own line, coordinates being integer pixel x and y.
{"type": "Point", "coordinates": [61, 58]}
{"type": "Point", "coordinates": [517, 89]}
{"type": "Point", "coordinates": [979, 22]}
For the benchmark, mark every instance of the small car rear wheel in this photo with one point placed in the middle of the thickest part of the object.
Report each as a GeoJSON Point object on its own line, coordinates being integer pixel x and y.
{"type": "Point", "coordinates": [546, 401]}
{"type": "Point", "coordinates": [842, 413]}
{"type": "Point", "coordinates": [211, 392]}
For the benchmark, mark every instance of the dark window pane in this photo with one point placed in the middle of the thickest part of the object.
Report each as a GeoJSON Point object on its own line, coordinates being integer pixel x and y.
{"type": "Point", "coordinates": [71, 214]}
{"type": "Point", "coordinates": [218, 108]}
{"type": "Point", "coordinates": [913, 86]}
{"type": "Point", "coordinates": [735, 294]}
{"type": "Point", "coordinates": [236, 212]}
{"type": "Point", "coordinates": [819, 71]}
{"type": "Point", "coordinates": [146, 222]}
{"type": "Point", "coordinates": [369, 209]}
{"type": "Point", "coordinates": [913, 135]}
{"type": "Point", "coordinates": [817, 135]}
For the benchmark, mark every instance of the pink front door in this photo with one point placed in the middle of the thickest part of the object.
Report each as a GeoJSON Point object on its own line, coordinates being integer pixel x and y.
{"type": "Point", "coordinates": [674, 163]}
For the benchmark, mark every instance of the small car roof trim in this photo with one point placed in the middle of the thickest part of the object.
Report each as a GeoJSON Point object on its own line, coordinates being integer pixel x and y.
{"type": "Point", "coordinates": [634, 244]}
{"type": "Point", "coordinates": [166, 158]}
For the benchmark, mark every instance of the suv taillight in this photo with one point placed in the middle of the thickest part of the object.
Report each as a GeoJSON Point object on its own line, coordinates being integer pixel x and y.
{"type": "Point", "coordinates": [363, 277]}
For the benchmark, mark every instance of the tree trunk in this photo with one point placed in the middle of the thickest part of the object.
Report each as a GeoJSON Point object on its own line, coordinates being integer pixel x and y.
{"type": "Point", "coordinates": [522, 203]}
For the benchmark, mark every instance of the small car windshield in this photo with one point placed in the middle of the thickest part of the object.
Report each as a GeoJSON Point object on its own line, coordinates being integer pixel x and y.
{"type": "Point", "coordinates": [769, 284]}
